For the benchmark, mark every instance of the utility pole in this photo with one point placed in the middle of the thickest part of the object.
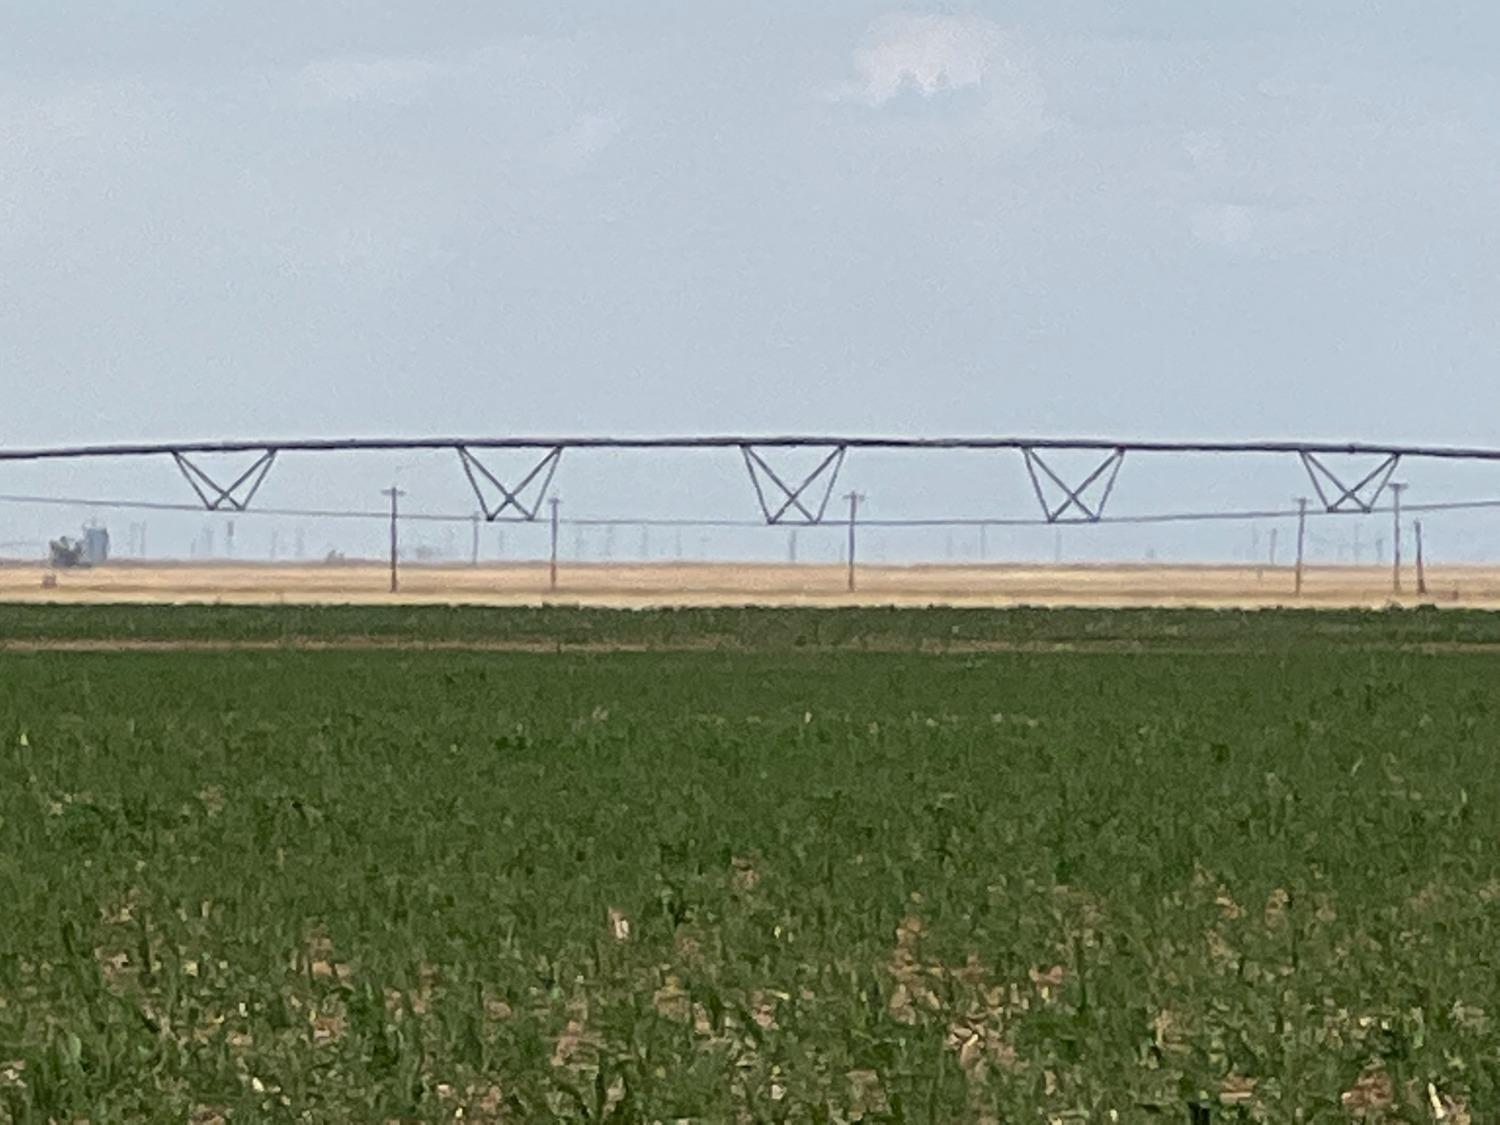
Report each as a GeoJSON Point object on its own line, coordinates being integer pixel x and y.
{"type": "Point", "coordinates": [229, 540]}
{"type": "Point", "coordinates": [984, 543]}
{"type": "Point", "coordinates": [395, 494]}
{"type": "Point", "coordinates": [791, 546]}
{"type": "Point", "coordinates": [854, 498]}
{"type": "Point", "coordinates": [1301, 538]}
{"type": "Point", "coordinates": [1396, 491]}
{"type": "Point", "coordinates": [552, 569]}
{"type": "Point", "coordinates": [1273, 548]}
{"type": "Point", "coordinates": [474, 552]}
{"type": "Point", "coordinates": [1421, 568]}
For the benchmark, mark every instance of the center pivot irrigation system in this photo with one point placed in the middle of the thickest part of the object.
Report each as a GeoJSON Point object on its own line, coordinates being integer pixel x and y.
{"type": "Point", "coordinates": [794, 498]}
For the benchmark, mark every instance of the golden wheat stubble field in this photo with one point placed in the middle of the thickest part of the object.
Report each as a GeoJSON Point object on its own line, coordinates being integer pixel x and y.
{"type": "Point", "coordinates": [716, 584]}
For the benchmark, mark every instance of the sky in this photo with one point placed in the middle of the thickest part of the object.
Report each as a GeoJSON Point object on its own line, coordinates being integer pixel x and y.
{"type": "Point", "coordinates": [1160, 219]}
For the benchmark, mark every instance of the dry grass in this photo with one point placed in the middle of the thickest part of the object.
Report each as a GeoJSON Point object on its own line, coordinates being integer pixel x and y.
{"type": "Point", "coordinates": [726, 584]}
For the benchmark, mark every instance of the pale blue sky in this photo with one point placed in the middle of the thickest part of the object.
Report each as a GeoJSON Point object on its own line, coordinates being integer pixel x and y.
{"type": "Point", "coordinates": [1064, 217]}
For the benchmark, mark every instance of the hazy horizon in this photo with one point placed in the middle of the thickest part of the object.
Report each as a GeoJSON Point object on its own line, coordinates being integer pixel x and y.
{"type": "Point", "coordinates": [1049, 219]}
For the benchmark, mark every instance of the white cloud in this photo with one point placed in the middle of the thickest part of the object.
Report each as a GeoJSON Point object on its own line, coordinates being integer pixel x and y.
{"type": "Point", "coordinates": [929, 54]}
{"type": "Point", "coordinates": [933, 55]}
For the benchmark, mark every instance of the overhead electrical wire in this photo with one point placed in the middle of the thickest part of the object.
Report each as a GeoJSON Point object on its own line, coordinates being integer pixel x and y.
{"type": "Point", "coordinates": [646, 521]}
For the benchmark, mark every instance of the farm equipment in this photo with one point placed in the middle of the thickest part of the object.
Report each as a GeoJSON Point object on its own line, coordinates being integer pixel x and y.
{"type": "Point", "coordinates": [68, 553]}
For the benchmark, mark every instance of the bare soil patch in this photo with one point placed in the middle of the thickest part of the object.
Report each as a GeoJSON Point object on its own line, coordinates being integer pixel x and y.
{"type": "Point", "coordinates": [645, 586]}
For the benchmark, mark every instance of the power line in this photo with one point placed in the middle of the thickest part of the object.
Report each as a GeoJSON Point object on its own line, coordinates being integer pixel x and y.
{"type": "Point", "coordinates": [356, 514]}
{"type": "Point", "coordinates": [168, 506]}
{"type": "Point", "coordinates": [647, 521]}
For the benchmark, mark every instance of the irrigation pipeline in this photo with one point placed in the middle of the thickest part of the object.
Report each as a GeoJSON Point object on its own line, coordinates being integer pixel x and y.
{"type": "Point", "coordinates": [726, 441]}
{"type": "Point", "coordinates": [686, 523]}
{"type": "Point", "coordinates": [800, 499]}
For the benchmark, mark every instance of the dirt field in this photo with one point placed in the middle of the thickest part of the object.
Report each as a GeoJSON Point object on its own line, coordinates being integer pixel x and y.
{"type": "Point", "coordinates": [713, 584]}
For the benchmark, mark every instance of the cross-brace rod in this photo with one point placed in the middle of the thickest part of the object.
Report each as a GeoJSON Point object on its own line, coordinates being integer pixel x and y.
{"type": "Point", "coordinates": [1073, 496]}
{"type": "Point", "coordinates": [1349, 498]}
{"type": "Point", "coordinates": [216, 497]}
{"type": "Point", "coordinates": [755, 464]}
{"type": "Point", "coordinates": [510, 498]}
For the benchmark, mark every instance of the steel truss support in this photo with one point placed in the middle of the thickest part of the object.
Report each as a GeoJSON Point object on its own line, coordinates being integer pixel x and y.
{"type": "Point", "coordinates": [237, 495]}
{"type": "Point", "coordinates": [781, 502]}
{"type": "Point", "coordinates": [1102, 480]}
{"type": "Point", "coordinates": [1362, 496]}
{"type": "Point", "coordinates": [511, 506]}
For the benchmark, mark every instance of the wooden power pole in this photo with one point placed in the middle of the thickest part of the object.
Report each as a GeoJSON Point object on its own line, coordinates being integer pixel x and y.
{"type": "Point", "coordinates": [1301, 539]}
{"type": "Point", "coordinates": [1421, 566]}
{"type": "Point", "coordinates": [394, 493]}
{"type": "Point", "coordinates": [1396, 491]}
{"type": "Point", "coordinates": [854, 498]}
{"type": "Point", "coordinates": [552, 565]}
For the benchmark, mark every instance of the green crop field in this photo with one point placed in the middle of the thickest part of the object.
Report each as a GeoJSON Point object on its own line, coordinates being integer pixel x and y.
{"type": "Point", "coordinates": [807, 866]}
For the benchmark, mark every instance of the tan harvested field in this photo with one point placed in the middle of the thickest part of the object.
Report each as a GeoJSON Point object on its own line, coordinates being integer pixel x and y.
{"type": "Point", "coordinates": [726, 584]}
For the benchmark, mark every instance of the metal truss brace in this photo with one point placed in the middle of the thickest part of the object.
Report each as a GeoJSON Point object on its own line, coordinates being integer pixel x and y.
{"type": "Point", "coordinates": [216, 497]}
{"type": "Point", "coordinates": [790, 507]}
{"type": "Point", "coordinates": [1362, 496]}
{"type": "Point", "coordinates": [511, 506]}
{"type": "Point", "coordinates": [1073, 498]}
